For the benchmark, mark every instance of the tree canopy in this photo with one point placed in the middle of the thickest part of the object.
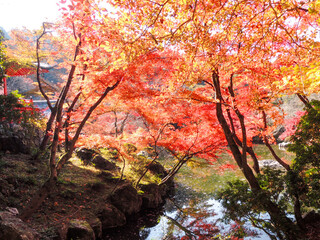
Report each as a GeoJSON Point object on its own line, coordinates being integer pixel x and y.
{"type": "Point", "coordinates": [196, 77]}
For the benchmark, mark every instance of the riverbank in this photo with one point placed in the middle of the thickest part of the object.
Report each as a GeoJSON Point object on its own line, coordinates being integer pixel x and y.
{"type": "Point", "coordinates": [93, 196]}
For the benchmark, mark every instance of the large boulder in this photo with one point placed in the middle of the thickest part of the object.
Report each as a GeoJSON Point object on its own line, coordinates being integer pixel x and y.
{"type": "Point", "coordinates": [111, 217]}
{"type": "Point", "coordinates": [13, 145]}
{"type": "Point", "coordinates": [157, 169]}
{"type": "Point", "coordinates": [311, 218]}
{"type": "Point", "coordinates": [86, 155]}
{"type": "Point", "coordinates": [13, 228]}
{"type": "Point", "coordinates": [126, 199]}
{"type": "Point", "coordinates": [152, 196]}
{"type": "Point", "coordinates": [80, 230]}
{"type": "Point", "coordinates": [96, 225]}
{"type": "Point", "coordinates": [103, 164]}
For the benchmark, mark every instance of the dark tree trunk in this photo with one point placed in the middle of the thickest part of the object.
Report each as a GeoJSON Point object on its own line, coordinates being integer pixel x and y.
{"type": "Point", "coordinates": [278, 217]}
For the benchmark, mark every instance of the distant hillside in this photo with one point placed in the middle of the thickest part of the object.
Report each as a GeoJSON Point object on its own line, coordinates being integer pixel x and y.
{"type": "Point", "coordinates": [3, 34]}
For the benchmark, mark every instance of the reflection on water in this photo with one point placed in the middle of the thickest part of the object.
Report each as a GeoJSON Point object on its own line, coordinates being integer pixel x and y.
{"type": "Point", "coordinates": [198, 216]}
{"type": "Point", "coordinates": [193, 213]}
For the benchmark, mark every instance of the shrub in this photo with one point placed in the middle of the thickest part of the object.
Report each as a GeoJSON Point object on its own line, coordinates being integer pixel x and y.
{"type": "Point", "coordinates": [20, 119]}
{"type": "Point", "coordinates": [306, 146]}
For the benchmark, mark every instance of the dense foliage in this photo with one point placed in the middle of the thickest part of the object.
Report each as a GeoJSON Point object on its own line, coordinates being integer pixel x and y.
{"type": "Point", "coordinates": [20, 119]}
{"type": "Point", "coordinates": [306, 146]}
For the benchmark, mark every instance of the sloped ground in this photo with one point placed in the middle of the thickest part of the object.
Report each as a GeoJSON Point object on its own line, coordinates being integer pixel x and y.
{"type": "Point", "coordinates": [78, 195]}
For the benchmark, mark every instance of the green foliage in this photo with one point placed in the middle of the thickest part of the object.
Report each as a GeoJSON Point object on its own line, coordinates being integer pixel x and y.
{"type": "Point", "coordinates": [306, 146]}
{"type": "Point", "coordinates": [109, 153]}
{"type": "Point", "coordinates": [275, 183]}
{"type": "Point", "coordinates": [9, 109]}
{"type": "Point", "coordinates": [20, 119]}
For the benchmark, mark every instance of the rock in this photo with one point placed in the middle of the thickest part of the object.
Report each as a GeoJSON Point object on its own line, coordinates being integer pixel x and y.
{"type": "Point", "coordinates": [103, 164]}
{"type": "Point", "coordinates": [13, 228]}
{"type": "Point", "coordinates": [13, 145]}
{"type": "Point", "coordinates": [271, 164]}
{"type": "Point", "coordinates": [96, 225]}
{"type": "Point", "coordinates": [311, 217]}
{"type": "Point", "coordinates": [80, 230]}
{"type": "Point", "coordinates": [111, 217]}
{"type": "Point", "coordinates": [126, 199]}
{"type": "Point", "coordinates": [257, 140]}
{"type": "Point", "coordinates": [86, 155]}
{"type": "Point", "coordinates": [152, 196]}
{"type": "Point", "coordinates": [284, 145]}
{"type": "Point", "coordinates": [167, 188]}
{"type": "Point", "coordinates": [13, 211]}
{"type": "Point", "coordinates": [157, 169]}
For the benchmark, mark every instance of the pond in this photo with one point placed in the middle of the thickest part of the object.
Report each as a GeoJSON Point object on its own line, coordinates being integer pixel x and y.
{"type": "Point", "coordinates": [193, 211]}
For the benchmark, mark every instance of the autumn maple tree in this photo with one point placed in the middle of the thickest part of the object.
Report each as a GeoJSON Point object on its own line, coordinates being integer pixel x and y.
{"type": "Point", "coordinates": [236, 55]}
{"type": "Point", "coordinates": [199, 76]}
{"type": "Point", "coordinates": [100, 62]}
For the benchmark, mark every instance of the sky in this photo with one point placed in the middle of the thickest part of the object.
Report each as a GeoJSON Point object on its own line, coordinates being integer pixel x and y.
{"type": "Point", "coordinates": [27, 13]}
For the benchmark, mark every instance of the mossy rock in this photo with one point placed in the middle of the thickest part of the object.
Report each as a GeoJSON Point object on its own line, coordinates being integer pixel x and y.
{"type": "Point", "coordinates": [80, 230]}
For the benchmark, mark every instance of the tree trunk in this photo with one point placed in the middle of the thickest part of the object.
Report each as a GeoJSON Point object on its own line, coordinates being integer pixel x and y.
{"type": "Point", "coordinates": [277, 216]}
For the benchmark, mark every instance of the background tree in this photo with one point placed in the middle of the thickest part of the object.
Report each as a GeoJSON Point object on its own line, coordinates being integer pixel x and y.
{"type": "Point", "coordinates": [100, 63]}
{"type": "Point", "coordinates": [305, 144]}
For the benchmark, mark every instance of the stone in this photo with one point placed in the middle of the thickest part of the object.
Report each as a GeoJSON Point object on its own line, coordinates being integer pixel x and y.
{"type": "Point", "coordinates": [151, 196]}
{"type": "Point", "coordinates": [271, 164]}
{"type": "Point", "coordinates": [80, 230]}
{"type": "Point", "coordinates": [111, 217]}
{"type": "Point", "coordinates": [85, 154]}
{"type": "Point", "coordinates": [311, 217]}
{"type": "Point", "coordinates": [101, 163]}
{"type": "Point", "coordinates": [126, 199]}
{"type": "Point", "coordinates": [284, 145]}
{"type": "Point", "coordinates": [13, 228]}
{"type": "Point", "coordinates": [13, 145]}
{"type": "Point", "coordinates": [13, 211]}
{"type": "Point", "coordinates": [96, 225]}
{"type": "Point", "coordinates": [157, 169]}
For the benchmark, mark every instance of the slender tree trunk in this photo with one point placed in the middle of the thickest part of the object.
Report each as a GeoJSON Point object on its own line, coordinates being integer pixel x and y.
{"type": "Point", "coordinates": [304, 99]}
{"type": "Point", "coordinates": [277, 216]}
{"type": "Point", "coordinates": [46, 137]}
{"type": "Point", "coordinates": [256, 167]}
